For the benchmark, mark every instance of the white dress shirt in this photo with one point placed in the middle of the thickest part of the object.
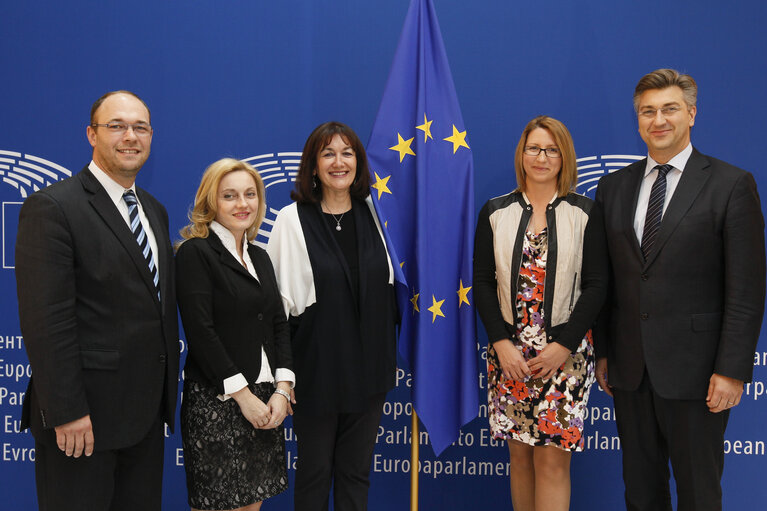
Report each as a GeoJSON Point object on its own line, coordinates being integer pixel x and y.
{"type": "Point", "coordinates": [650, 175]}
{"type": "Point", "coordinates": [237, 382]}
{"type": "Point", "coordinates": [115, 191]}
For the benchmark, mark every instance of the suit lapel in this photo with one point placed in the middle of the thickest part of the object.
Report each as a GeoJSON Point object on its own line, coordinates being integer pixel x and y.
{"type": "Point", "coordinates": [227, 259]}
{"type": "Point", "coordinates": [108, 212]}
{"type": "Point", "coordinates": [630, 197]}
{"type": "Point", "coordinates": [694, 176]}
{"type": "Point", "coordinates": [257, 263]}
{"type": "Point", "coordinates": [161, 237]}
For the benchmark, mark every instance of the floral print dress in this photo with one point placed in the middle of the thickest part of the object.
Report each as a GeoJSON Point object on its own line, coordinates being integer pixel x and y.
{"type": "Point", "coordinates": [535, 411]}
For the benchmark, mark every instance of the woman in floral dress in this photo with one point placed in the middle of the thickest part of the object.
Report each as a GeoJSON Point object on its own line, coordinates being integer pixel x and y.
{"type": "Point", "coordinates": [540, 280]}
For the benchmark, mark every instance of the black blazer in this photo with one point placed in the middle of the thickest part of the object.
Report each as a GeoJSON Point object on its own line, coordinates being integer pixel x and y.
{"type": "Point", "coordinates": [98, 339]}
{"type": "Point", "coordinates": [695, 307]}
{"type": "Point", "coordinates": [227, 314]}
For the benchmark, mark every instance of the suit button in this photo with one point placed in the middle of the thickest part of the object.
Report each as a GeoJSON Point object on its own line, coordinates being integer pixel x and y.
{"type": "Point", "coordinates": [260, 316]}
{"type": "Point", "coordinates": [644, 315]}
{"type": "Point", "coordinates": [645, 276]}
{"type": "Point", "coordinates": [162, 358]}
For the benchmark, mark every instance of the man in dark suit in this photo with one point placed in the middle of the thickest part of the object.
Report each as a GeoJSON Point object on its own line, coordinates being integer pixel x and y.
{"type": "Point", "coordinates": [685, 234]}
{"type": "Point", "coordinates": [97, 306]}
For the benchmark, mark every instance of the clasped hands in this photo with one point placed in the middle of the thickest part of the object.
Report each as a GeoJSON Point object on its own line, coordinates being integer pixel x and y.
{"type": "Point", "coordinates": [544, 365]}
{"type": "Point", "coordinates": [262, 415]}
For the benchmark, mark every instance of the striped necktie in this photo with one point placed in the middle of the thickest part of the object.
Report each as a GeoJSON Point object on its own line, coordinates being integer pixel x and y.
{"type": "Point", "coordinates": [141, 238]}
{"type": "Point", "coordinates": [654, 209]}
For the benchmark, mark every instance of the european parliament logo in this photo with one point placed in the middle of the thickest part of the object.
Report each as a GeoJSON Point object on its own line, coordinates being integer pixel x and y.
{"type": "Point", "coordinates": [592, 168]}
{"type": "Point", "coordinates": [26, 174]}
{"type": "Point", "coordinates": [278, 171]}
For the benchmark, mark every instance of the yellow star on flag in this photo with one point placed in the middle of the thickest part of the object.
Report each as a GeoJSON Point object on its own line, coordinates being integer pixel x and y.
{"type": "Point", "coordinates": [458, 138]}
{"type": "Point", "coordinates": [380, 185]}
{"type": "Point", "coordinates": [436, 308]}
{"type": "Point", "coordinates": [463, 293]}
{"type": "Point", "coordinates": [402, 264]}
{"type": "Point", "coordinates": [403, 147]}
{"type": "Point", "coordinates": [414, 301]}
{"type": "Point", "coordinates": [426, 128]}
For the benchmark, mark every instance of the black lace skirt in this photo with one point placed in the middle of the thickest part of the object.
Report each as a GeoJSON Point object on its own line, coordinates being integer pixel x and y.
{"type": "Point", "coordinates": [229, 463]}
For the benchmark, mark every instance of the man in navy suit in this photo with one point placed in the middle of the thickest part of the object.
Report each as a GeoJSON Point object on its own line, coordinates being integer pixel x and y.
{"type": "Point", "coordinates": [676, 342]}
{"type": "Point", "coordinates": [97, 306]}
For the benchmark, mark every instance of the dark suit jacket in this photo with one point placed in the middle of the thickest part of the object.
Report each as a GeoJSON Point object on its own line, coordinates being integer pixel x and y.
{"type": "Point", "coordinates": [695, 307]}
{"type": "Point", "coordinates": [227, 314]}
{"type": "Point", "coordinates": [98, 339]}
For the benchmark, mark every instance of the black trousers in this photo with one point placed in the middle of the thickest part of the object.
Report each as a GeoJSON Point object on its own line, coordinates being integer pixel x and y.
{"type": "Point", "coordinates": [652, 431]}
{"type": "Point", "coordinates": [122, 479]}
{"type": "Point", "coordinates": [338, 449]}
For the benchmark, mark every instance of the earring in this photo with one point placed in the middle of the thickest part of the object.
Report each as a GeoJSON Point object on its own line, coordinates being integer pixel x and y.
{"type": "Point", "coordinates": [314, 181]}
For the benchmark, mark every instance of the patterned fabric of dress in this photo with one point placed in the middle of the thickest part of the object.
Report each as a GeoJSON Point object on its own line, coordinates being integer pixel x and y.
{"type": "Point", "coordinates": [535, 411]}
{"type": "Point", "coordinates": [230, 464]}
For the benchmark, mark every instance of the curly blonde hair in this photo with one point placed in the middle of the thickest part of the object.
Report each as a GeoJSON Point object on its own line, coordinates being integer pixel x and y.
{"type": "Point", "coordinates": [205, 201]}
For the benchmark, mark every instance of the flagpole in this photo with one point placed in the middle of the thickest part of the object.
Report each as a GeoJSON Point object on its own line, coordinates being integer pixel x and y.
{"type": "Point", "coordinates": [414, 463]}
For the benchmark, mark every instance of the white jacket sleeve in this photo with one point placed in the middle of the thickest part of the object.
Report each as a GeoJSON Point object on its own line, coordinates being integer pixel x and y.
{"type": "Point", "coordinates": [287, 250]}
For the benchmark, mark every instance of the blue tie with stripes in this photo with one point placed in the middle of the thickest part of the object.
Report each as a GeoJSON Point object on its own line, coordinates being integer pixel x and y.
{"type": "Point", "coordinates": [141, 238]}
{"type": "Point", "coordinates": [654, 209]}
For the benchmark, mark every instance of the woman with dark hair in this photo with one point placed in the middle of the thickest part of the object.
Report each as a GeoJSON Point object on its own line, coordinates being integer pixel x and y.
{"type": "Point", "coordinates": [540, 280]}
{"type": "Point", "coordinates": [239, 347]}
{"type": "Point", "coordinates": [336, 280]}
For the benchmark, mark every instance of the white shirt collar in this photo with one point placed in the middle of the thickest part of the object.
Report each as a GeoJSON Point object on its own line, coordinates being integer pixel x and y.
{"type": "Point", "coordinates": [227, 238]}
{"type": "Point", "coordinates": [678, 162]}
{"type": "Point", "coordinates": [114, 189]}
{"type": "Point", "coordinates": [230, 244]}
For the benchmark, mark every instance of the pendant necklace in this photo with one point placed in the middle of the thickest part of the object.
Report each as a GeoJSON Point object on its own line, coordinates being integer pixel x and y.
{"type": "Point", "coordinates": [336, 218]}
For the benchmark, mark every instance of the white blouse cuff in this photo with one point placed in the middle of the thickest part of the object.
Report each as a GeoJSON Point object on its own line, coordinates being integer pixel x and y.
{"type": "Point", "coordinates": [282, 374]}
{"type": "Point", "coordinates": [234, 383]}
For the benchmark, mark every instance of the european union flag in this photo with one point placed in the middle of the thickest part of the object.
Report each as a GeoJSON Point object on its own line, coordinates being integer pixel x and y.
{"type": "Point", "coordinates": [424, 193]}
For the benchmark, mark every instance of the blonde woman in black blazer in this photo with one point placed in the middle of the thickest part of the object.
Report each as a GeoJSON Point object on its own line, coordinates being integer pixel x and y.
{"type": "Point", "coordinates": [239, 347]}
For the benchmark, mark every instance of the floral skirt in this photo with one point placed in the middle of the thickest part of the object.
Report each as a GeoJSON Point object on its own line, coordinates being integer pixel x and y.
{"type": "Point", "coordinates": [229, 463]}
{"type": "Point", "coordinates": [542, 412]}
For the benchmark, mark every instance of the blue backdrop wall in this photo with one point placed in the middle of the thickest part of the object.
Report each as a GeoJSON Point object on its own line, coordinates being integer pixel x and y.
{"type": "Point", "coordinates": [248, 78]}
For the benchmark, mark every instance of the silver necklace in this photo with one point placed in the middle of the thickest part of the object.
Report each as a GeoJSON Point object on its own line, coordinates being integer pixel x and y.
{"type": "Point", "coordinates": [336, 218]}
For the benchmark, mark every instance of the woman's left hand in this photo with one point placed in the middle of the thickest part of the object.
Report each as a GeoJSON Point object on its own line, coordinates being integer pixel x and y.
{"type": "Point", "coordinates": [548, 360]}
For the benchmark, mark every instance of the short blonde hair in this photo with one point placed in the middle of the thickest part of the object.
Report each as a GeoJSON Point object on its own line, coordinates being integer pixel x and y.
{"type": "Point", "coordinates": [568, 174]}
{"type": "Point", "coordinates": [205, 201]}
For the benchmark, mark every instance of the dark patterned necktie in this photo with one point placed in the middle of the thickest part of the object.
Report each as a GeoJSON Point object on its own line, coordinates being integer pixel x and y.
{"type": "Point", "coordinates": [654, 209]}
{"type": "Point", "coordinates": [141, 238]}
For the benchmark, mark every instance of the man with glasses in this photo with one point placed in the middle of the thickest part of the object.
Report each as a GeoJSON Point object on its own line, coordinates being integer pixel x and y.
{"type": "Point", "coordinates": [676, 341]}
{"type": "Point", "coordinates": [97, 306]}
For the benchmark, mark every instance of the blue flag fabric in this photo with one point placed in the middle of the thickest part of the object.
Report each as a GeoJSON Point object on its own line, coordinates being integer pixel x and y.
{"type": "Point", "coordinates": [423, 190]}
